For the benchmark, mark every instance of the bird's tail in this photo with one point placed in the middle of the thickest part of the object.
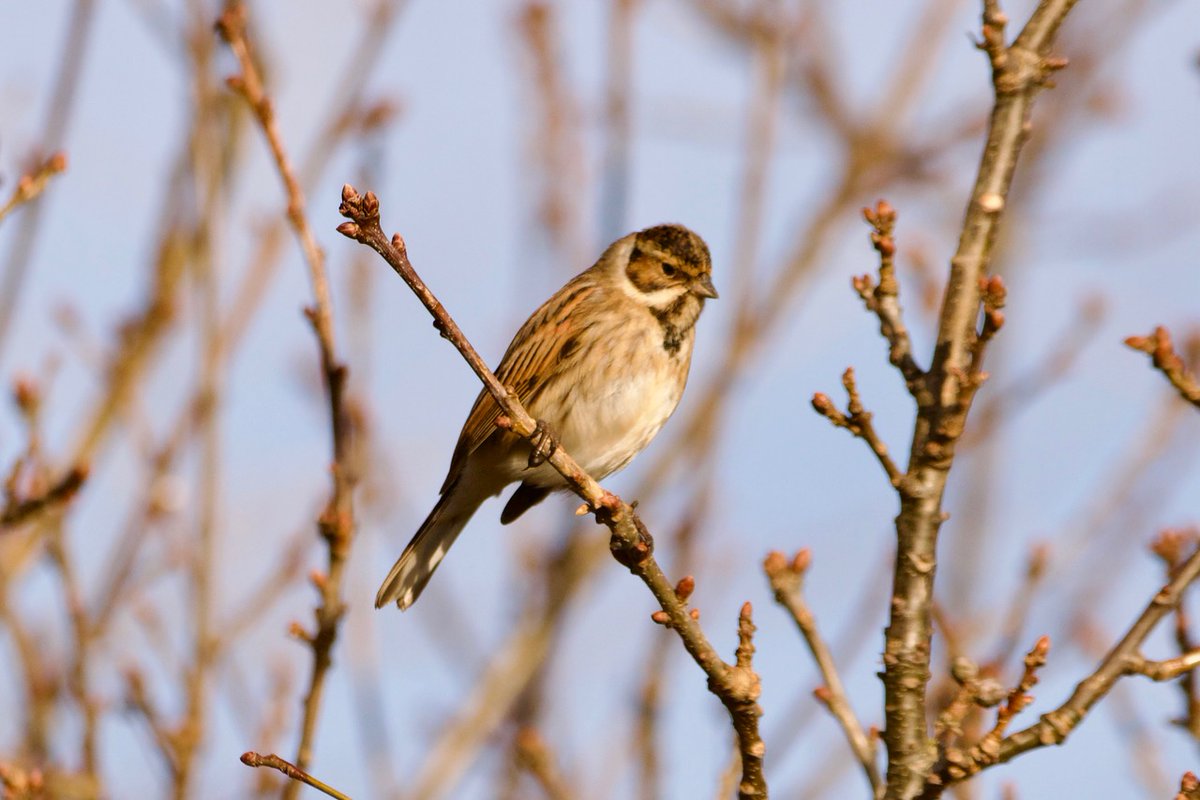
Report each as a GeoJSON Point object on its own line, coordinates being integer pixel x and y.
{"type": "Point", "coordinates": [428, 547]}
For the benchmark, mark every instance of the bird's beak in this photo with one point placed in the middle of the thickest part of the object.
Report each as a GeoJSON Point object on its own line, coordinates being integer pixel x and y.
{"type": "Point", "coordinates": [703, 286]}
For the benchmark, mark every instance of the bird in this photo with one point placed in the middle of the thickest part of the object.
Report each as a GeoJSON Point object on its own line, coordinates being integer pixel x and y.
{"type": "Point", "coordinates": [601, 366]}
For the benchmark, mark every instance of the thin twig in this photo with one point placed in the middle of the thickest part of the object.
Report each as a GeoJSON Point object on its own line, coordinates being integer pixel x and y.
{"type": "Point", "coordinates": [858, 422]}
{"type": "Point", "coordinates": [736, 685]}
{"type": "Point", "coordinates": [1158, 346]}
{"type": "Point", "coordinates": [30, 185]}
{"type": "Point", "coordinates": [945, 395]}
{"type": "Point", "coordinates": [336, 522]}
{"type": "Point", "coordinates": [1123, 659]}
{"type": "Point", "coordinates": [514, 666]}
{"type": "Point", "coordinates": [787, 581]}
{"type": "Point", "coordinates": [252, 759]}
{"type": "Point", "coordinates": [534, 755]}
{"type": "Point", "coordinates": [16, 512]}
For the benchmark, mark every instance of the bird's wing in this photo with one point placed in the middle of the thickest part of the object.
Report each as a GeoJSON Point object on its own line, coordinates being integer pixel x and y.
{"type": "Point", "coordinates": [536, 354]}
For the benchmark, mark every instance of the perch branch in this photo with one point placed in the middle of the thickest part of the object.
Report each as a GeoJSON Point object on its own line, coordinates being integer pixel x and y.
{"type": "Point", "coordinates": [1189, 787]}
{"type": "Point", "coordinates": [15, 512]}
{"type": "Point", "coordinates": [736, 685]}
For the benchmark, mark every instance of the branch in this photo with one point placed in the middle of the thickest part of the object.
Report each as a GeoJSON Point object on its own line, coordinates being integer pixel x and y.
{"type": "Point", "coordinates": [858, 422]}
{"type": "Point", "coordinates": [1158, 346]}
{"type": "Point", "coordinates": [1166, 670]}
{"type": "Point", "coordinates": [787, 580]}
{"type": "Point", "coordinates": [945, 394]}
{"type": "Point", "coordinates": [252, 759]}
{"type": "Point", "coordinates": [1016, 702]}
{"type": "Point", "coordinates": [535, 756]}
{"type": "Point", "coordinates": [34, 182]}
{"type": "Point", "coordinates": [336, 522]}
{"type": "Point", "coordinates": [1172, 547]}
{"type": "Point", "coordinates": [736, 685]}
{"type": "Point", "coordinates": [884, 299]}
{"type": "Point", "coordinates": [1123, 659]}
{"type": "Point", "coordinates": [15, 512]}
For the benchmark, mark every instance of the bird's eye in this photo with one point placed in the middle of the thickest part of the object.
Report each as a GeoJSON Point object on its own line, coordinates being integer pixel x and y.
{"type": "Point", "coordinates": [668, 270]}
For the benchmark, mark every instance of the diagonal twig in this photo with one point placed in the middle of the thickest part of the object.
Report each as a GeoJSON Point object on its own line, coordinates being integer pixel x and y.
{"type": "Point", "coordinates": [1162, 353]}
{"type": "Point", "coordinates": [30, 185]}
{"type": "Point", "coordinates": [787, 581]}
{"type": "Point", "coordinates": [298, 776]}
{"type": "Point", "coordinates": [945, 395]}
{"type": "Point", "coordinates": [1123, 659]}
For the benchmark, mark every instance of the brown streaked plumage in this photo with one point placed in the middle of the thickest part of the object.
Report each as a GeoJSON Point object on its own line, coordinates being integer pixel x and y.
{"type": "Point", "coordinates": [602, 363]}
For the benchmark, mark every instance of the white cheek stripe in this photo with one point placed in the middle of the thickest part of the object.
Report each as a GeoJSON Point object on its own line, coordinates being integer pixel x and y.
{"type": "Point", "coordinates": [659, 298]}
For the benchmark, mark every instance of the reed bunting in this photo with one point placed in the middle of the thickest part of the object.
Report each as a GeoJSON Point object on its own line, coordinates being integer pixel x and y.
{"type": "Point", "coordinates": [602, 365]}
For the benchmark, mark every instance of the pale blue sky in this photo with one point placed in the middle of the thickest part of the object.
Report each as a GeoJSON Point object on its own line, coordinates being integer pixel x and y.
{"type": "Point", "coordinates": [1116, 219]}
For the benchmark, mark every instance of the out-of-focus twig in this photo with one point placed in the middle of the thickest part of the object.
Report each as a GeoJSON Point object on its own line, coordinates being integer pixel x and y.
{"type": "Point", "coordinates": [787, 581]}
{"type": "Point", "coordinates": [556, 146]}
{"type": "Point", "coordinates": [615, 170]}
{"type": "Point", "coordinates": [54, 133]}
{"type": "Point", "coordinates": [535, 756]}
{"type": "Point", "coordinates": [515, 664]}
{"type": "Point", "coordinates": [252, 759]}
{"type": "Point", "coordinates": [857, 420]}
{"type": "Point", "coordinates": [1189, 787]}
{"type": "Point", "coordinates": [17, 511]}
{"type": "Point", "coordinates": [336, 522]}
{"type": "Point", "coordinates": [883, 298]}
{"type": "Point", "coordinates": [1172, 547]}
{"type": "Point", "coordinates": [30, 185]}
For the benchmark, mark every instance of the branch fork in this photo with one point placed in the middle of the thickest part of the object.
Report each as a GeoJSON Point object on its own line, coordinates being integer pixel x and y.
{"type": "Point", "coordinates": [857, 420]}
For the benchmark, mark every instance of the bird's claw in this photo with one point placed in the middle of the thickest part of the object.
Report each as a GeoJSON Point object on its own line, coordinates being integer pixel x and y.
{"type": "Point", "coordinates": [544, 444]}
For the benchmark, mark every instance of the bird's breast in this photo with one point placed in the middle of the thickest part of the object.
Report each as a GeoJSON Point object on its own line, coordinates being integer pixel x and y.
{"type": "Point", "coordinates": [625, 391]}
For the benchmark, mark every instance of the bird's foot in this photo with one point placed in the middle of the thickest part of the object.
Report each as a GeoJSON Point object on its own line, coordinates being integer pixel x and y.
{"type": "Point", "coordinates": [544, 442]}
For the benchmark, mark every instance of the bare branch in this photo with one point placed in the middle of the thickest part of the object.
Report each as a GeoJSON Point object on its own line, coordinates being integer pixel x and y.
{"type": "Point", "coordinates": [883, 299]}
{"type": "Point", "coordinates": [787, 581]}
{"type": "Point", "coordinates": [1019, 72]}
{"type": "Point", "coordinates": [1165, 670]}
{"type": "Point", "coordinates": [1123, 659]}
{"type": "Point", "coordinates": [18, 511]}
{"type": "Point", "coordinates": [336, 522]}
{"type": "Point", "coordinates": [858, 422]}
{"type": "Point", "coordinates": [535, 755]}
